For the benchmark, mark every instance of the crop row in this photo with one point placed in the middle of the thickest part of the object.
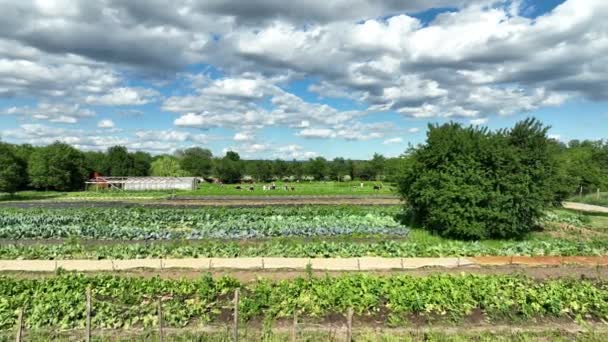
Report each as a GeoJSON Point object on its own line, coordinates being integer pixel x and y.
{"type": "Point", "coordinates": [194, 224]}
{"type": "Point", "coordinates": [125, 302]}
{"type": "Point", "coordinates": [312, 249]}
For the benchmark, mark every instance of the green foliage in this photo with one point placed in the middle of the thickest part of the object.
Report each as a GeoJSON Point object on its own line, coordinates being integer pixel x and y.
{"type": "Point", "coordinates": [167, 167]}
{"type": "Point", "coordinates": [293, 248]}
{"type": "Point", "coordinates": [229, 169]}
{"type": "Point", "coordinates": [118, 161]}
{"type": "Point", "coordinates": [141, 163]}
{"type": "Point", "coordinates": [154, 224]}
{"type": "Point", "coordinates": [196, 161]}
{"type": "Point", "coordinates": [57, 166]}
{"type": "Point", "coordinates": [317, 168]}
{"type": "Point", "coordinates": [130, 302]}
{"type": "Point", "coordinates": [474, 184]}
{"type": "Point", "coordinates": [12, 170]}
{"type": "Point", "coordinates": [585, 165]}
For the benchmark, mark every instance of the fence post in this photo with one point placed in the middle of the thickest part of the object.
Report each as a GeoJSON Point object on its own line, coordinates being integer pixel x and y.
{"type": "Point", "coordinates": [19, 326]}
{"type": "Point", "coordinates": [235, 328]}
{"type": "Point", "coordinates": [294, 331]}
{"type": "Point", "coordinates": [349, 325]}
{"type": "Point", "coordinates": [161, 335]}
{"type": "Point", "coordinates": [581, 191]}
{"type": "Point", "coordinates": [88, 333]}
{"type": "Point", "coordinates": [598, 193]}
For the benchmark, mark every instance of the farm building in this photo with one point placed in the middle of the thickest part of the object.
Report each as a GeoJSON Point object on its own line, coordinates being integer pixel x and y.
{"type": "Point", "coordinates": [143, 183]}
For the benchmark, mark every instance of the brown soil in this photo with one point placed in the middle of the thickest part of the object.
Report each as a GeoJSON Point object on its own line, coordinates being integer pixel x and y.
{"type": "Point", "coordinates": [540, 273]}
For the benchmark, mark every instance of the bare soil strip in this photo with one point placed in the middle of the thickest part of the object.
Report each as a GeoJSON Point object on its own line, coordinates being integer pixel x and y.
{"type": "Point", "coordinates": [248, 276]}
{"type": "Point", "coordinates": [299, 264]}
{"type": "Point", "coordinates": [585, 207]}
{"type": "Point", "coordinates": [337, 330]}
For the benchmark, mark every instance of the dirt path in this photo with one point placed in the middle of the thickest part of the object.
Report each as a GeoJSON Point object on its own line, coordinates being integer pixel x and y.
{"type": "Point", "coordinates": [585, 207]}
{"type": "Point", "coordinates": [248, 276]}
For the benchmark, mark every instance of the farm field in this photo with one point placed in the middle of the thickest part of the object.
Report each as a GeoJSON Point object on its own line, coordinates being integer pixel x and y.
{"type": "Point", "coordinates": [391, 301]}
{"type": "Point", "coordinates": [198, 305]}
{"type": "Point", "coordinates": [307, 231]}
{"type": "Point", "coordinates": [330, 188]}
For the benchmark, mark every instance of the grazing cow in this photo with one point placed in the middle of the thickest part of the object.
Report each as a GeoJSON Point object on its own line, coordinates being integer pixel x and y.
{"type": "Point", "coordinates": [251, 188]}
{"type": "Point", "coordinates": [377, 187]}
{"type": "Point", "coordinates": [238, 187]}
{"type": "Point", "coordinates": [293, 189]}
{"type": "Point", "coordinates": [272, 187]}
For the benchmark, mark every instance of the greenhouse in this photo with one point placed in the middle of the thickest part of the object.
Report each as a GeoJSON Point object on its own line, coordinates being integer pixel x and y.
{"type": "Point", "coordinates": [142, 183]}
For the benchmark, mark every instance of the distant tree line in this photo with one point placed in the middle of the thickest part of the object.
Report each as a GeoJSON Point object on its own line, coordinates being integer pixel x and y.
{"type": "Point", "coordinates": [61, 167]}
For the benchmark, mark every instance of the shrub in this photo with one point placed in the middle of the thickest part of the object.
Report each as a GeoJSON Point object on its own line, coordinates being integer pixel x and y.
{"type": "Point", "coordinates": [471, 183]}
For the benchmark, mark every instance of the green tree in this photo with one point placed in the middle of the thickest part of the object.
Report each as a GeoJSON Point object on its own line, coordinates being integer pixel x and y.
{"type": "Point", "coordinates": [261, 170]}
{"type": "Point", "coordinates": [141, 164]}
{"type": "Point", "coordinates": [167, 166]}
{"type": "Point", "coordinates": [338, 169]}
{"type": "Point", "coordinates": [474, 184]}
{"type": "Point", "coordinates": [197, 161]}
{"type": "Point", "coordinates": [317, 168]}
{"type": "Point", "coordinates": [280, 168]}
{"type": "Point", "coordinates": [376, 166]}
{"type": "Point", "coordinates": [95, 161]}
{"type": "Point", "coordinates": [118, 161]}
{"type": "Point", "coordinates": [296, 169]}
{"type": "Point", "coordinates": [231, 155]}
{"type": "Point", "coordinates": [57, 166]}
{"type": "Point", "coordinates": [229, 168]}
{"type": "Point", "coordinates": [12, 170]}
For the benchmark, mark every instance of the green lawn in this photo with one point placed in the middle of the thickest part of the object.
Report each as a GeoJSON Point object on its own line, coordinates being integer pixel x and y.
{"type": "Point", "coordinates": [300, 189]}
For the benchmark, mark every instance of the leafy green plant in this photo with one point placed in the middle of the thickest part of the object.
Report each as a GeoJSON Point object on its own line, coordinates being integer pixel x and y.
{"type": "Point", "coordinates": [471, 183]}
{"type": "Point", "coordinates": [130, 302]}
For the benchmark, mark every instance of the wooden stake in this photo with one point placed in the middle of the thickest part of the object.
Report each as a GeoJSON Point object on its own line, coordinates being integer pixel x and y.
{"type": "Point", "coordinates": [598, 193]}
{"type": "Point", "coordinates": [19, 326]}
{"type": "Point", "coordinates": [294, 331]}
{"type": "Point", "coordinates": [88, 336]}
{"type": "Point", "coordinates": [161, 336]}
{"type": "Point", "coordinates": [235, 328]}
{"type": "Point", "coordinates": [349, 325]}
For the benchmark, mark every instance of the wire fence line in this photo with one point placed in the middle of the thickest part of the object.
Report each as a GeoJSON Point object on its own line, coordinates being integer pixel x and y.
{"type": "Point", "coordinates": [236, 331]}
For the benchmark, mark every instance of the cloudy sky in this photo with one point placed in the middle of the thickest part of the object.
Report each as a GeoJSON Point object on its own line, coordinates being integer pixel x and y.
{"type": "Point", "coordinates": [296, 79]}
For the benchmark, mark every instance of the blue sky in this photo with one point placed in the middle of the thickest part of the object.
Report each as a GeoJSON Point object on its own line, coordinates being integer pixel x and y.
{"type": "Point", "coordinates": [271, 79]}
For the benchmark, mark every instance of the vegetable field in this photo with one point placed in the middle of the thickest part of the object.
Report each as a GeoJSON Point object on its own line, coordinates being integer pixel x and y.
{"type": "Point", "coordinates": [307, 231]}
{"type": "Point", "coordinates": [128, 302]}
{"type": "Point", "coordinates": [217, 223]}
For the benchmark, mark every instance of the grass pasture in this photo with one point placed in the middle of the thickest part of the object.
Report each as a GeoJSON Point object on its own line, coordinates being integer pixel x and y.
{"type": "Point", "coordinates": [303, 188]}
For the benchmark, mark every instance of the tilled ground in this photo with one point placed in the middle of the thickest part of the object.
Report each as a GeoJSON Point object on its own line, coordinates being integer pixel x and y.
{"type": "Point", "coordinates": [540, 273]}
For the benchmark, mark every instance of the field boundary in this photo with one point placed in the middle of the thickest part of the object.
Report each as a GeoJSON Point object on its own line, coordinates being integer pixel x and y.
{"type": "Point", "coordinates": [317, 264]}
{"type": "Point", "coordinates": [585, 207]}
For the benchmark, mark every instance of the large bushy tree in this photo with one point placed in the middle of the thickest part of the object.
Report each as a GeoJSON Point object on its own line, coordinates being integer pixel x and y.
{"type": "Point", "coordinates": [118, 161]}
{"type": "Point", "coordinates": [12, 170]}
{"type": "Point", "coordinates": [229, 168]}
{"type": "Point", "coordinates": [57, 166]}
{"type": "Point", "coordinates": [471, 183]}
{"type": "Point", "coordinates": [167, 166]}
{"type": "Point", "coordinates": [197, 161]}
